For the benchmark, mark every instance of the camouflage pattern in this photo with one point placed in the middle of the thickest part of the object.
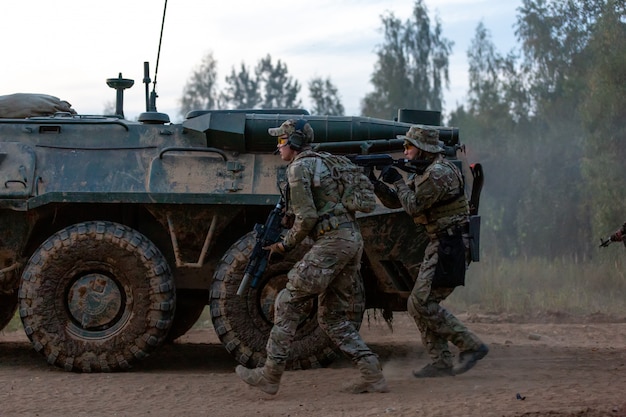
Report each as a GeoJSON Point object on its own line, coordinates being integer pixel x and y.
{"type": "Point", "coordinates": [424, 138]}
{"type": "Point", "coordinates": [288, 127]}
{"type": "Point", "coordinates": [441, 181]}
{"type": "Point", "coordinates": [308, 203]}
{"type": "Point", "coordinates": [328, 271]}
{"type": "Point", "coordinates": [437, 325]}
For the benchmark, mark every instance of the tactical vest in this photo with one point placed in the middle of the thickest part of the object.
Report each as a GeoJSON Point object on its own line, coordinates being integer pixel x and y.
{"type": "Point", "coordinates": [455, 205]}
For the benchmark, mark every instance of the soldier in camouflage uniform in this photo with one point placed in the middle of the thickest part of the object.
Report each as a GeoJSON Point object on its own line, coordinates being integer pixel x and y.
{"type": "Point", "coordinates": [435, 198]}
{"type": "Point", "coordinates": [329, 271]}
{"type": "Point", "coordinates": [619, 234]}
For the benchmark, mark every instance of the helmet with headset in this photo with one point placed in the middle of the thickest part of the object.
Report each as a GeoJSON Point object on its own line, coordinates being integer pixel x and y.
{"type": "Point", "coordinates": [300, 133]}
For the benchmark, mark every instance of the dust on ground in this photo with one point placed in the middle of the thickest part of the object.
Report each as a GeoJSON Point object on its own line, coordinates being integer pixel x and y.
{"type": "Point", "coordinates": [544, 366]}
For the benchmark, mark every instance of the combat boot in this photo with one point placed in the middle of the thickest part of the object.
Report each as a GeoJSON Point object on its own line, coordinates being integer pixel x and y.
{"type": "Point", "coordinates": [372, 379]}
{"type": "Point", "coordinates": [267, 378]}
{"type": "Point", "coordinates": [434, 370]}
{"type": "Point", "coordinates": [468, 359]}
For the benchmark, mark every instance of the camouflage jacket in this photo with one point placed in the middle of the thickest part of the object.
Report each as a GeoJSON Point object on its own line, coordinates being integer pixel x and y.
{"type": "Point", "coordinates": [307, 201]}
{"type": "Point", "coordinates": [435, 199]}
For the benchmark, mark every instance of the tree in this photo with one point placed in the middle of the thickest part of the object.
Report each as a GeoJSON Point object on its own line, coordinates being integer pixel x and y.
{"type": "Point", "coordinates": [490, 123]}
{"type": "Point", "coordinates": [325, 97]}
{"type": "Point", "coordinates": [200, 92]}
{"type": "Point", "coordinates": [269, 87]}
{"type": "Point", "coordinates": [412, 66]}
{"type": "Point", "coordinates": [279, 90]}
{"type": "Point", "coordinates": [242, 89]}
{"type": "Point", "coordinates": [603, 111]}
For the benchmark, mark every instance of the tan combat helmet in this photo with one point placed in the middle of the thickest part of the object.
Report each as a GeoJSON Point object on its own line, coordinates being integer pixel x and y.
{"type": "Point", "coordinates": [423, 137]}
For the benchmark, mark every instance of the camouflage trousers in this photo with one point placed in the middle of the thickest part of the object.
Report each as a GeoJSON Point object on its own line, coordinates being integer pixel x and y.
{"type": "Point", "coordinates": [329, 271]}
{"type": "Point", "coordinates": [437, 325]}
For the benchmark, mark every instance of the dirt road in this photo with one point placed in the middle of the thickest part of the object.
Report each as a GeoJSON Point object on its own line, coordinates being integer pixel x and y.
{"type": "Point", "coordinates": [533, 369]}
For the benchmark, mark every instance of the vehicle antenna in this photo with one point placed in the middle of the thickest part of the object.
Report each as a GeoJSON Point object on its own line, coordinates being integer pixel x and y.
{"type": "Point", "coordinates": [153, 95]}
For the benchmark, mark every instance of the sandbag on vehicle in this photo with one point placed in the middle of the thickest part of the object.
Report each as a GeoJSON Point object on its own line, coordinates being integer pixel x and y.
{"type": "Point", "coordinates": [22, 105]}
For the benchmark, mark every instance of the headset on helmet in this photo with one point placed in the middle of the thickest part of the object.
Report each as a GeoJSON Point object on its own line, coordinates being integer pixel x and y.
{"type": "Point", "coordinates": [297, 140]}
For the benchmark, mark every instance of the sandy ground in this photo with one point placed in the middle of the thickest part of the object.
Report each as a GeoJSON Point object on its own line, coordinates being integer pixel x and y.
{"type": "Point", "coordinates": [533, 369]}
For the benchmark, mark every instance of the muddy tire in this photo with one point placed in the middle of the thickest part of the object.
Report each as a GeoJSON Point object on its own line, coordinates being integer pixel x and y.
{"type": "Point", "coordinates": [8, 305]}
{"type": "Point", "coordinates": [96, 296]}
{"type": "Point", "coordinates": [189, 307]}
{"type": "Point", "coordinates": [243, 323]}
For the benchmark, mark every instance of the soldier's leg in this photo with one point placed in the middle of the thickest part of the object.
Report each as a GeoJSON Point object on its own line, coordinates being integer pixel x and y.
{"type": "Point", "coordinates": [289, 311]}
{"type": "Point", "coordinates": [336, 319]}
{"type": "Point", "coordinates": [420, 306]}
{"type": "Point", "coordinates": [438, 325]}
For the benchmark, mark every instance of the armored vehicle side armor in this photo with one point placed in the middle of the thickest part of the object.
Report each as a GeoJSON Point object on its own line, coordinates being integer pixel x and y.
{"type": "Point", "coordinates": [116, 234]}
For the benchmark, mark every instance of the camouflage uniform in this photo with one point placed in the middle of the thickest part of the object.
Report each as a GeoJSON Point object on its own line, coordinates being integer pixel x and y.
{"type": "Point", "coordinates": [436, 200]}
{"type": "Point", "coordinates": [328, 271]}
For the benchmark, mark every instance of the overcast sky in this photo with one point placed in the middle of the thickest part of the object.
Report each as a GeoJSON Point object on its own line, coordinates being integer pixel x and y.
{"type": "Point", "coordinates": [69, 48]}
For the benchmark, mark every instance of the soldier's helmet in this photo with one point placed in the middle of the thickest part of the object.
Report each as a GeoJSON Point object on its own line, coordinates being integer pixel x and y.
{"type": "Point", "coordinates": [423, 137]}
{"type": "Point", "coordinates": [299, 131]}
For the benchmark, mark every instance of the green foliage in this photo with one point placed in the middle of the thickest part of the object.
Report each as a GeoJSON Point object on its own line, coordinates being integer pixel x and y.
{"type": "Point", "coordinates": [547, 126]}
{"type": "Point", "coordinates": [533, 286]}
{"type": "Point", "coordinates": [200, 92]}
{"type": "Point", "coordinates": [243, 90]}
{"type": "Point", "coordinates": [412, 66]}
{"type": "Point", "coordinates": [279, 90]}
{"type": "Point", "coordinates": [268, 86]}
{"type": "Point", "coordinates": [325, 98]}
{"type": "Point", "coordinates": [603, 111]}
{"type": "Point", "coordinates": [15, 324]}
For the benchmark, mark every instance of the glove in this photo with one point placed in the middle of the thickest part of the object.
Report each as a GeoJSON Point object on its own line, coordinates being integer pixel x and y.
{"type": "Point", "coordinates": [390, 175]}
{"type": "Point", "coordinates": [277, 247]}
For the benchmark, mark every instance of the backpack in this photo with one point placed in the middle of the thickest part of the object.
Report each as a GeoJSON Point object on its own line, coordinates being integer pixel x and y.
{"type": "Point", "coordinates": [355, 189]}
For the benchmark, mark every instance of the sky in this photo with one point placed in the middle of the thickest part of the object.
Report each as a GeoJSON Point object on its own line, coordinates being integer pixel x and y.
{"type": "Point", "coordinates": [69, 49]}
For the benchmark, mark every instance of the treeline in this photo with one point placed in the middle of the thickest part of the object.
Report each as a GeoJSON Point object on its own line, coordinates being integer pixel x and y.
{"type": "Point", "coordinates": [547, 119]}
{"type": "Point", "coordinates": [266, 86]}
{"type": "Point", "coordinates": [548, 122]}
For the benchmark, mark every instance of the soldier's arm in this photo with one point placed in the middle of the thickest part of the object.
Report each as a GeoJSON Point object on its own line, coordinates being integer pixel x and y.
{"type": "Point", "coordinates": [301, 204]}
{"type": "Point", "coordinates": [386, 195]}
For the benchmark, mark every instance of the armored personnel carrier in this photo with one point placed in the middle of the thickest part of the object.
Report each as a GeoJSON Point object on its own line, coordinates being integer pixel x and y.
{"type": "Point", "coordinates": [116, 234]}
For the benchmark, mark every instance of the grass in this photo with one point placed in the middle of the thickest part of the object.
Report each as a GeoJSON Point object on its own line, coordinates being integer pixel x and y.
{"type": "Point", "coordinates": [531, 286]}
{"type": "Point", "coordinates": [14, 324]}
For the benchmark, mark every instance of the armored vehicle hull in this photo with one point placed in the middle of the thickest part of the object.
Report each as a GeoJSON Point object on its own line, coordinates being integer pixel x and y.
{"type": "Point", "coordinates": [115, 235]}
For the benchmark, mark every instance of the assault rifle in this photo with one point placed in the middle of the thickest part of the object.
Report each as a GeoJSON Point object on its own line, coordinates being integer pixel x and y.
{"type": "Point", "coordinates": [378, 161]}
{"type": "Point", "coordinates": [618, 236]}
{"type": "Point", "coordinates": [266, 234]}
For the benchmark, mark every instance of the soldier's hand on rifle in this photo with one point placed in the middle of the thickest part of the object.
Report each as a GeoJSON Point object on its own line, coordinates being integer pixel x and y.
{"type": "Point", "coordinates": [390, 175]}
{"type": "Point", "coordinates": [371, 175]}
{"type": "Point", "coordinates": [277, 247]}
{"type": "Point", "coordinates": [617, 236]}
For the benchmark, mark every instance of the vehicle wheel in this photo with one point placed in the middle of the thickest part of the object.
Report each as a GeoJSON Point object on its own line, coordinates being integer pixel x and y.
{"type": "Point", "coordinates": [8, 305]}
{"type": "Point", "coordinates": [189, 307]}
{"type": "Point", "coordinates": [243, 323]}
{"type": "Point", "coordinates": [96, 296]}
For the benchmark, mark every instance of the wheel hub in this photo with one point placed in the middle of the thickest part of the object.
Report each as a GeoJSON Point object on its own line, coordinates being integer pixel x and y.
{"type": "Point", "coordinates": [94, 301]}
